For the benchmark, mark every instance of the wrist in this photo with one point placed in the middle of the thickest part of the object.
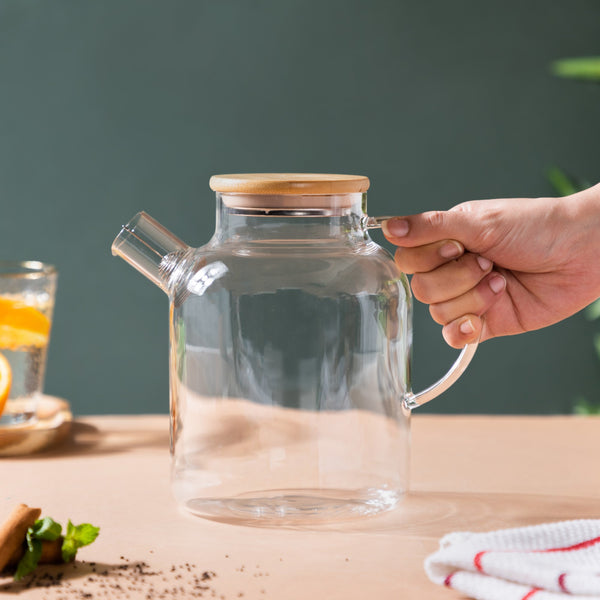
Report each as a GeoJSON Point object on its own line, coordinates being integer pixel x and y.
{"type": "Point", "coordinates": [582, 211]}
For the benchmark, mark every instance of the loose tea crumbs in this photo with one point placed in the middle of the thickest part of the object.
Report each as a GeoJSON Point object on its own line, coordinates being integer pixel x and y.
{"type": "Point", "coordinates": [130, 579]}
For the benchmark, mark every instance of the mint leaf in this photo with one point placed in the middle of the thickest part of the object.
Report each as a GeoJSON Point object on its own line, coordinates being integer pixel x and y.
{"type": "Point", "coordinates": [49, 530]}
{"type": "Point", "coordinates": [46, 529]}
{"type": "Point", "coordinates": [76, 537]}
{"type": "Point", "coordinates": [30, 559]}
{"type": "Point", "coordinates": [43, 529]}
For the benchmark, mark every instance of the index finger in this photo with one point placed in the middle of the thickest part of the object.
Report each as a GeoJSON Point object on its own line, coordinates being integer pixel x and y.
{"type": "Point", "coordinates": [427, 257]}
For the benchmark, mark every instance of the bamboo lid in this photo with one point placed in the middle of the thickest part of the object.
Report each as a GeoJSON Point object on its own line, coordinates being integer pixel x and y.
{"type": "Point", "coordinates": [289, 183]}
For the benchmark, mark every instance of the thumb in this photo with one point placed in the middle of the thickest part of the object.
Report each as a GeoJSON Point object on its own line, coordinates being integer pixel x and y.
{"type": "Point", "coordinates": [432, 226]}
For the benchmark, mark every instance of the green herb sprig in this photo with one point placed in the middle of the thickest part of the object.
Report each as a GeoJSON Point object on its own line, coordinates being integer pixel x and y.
{"type": "Point", "coordinates": [47, 529]}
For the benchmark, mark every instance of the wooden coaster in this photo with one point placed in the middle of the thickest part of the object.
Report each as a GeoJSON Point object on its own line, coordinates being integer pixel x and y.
{"type": "Point", "coordinates": [51, 426]}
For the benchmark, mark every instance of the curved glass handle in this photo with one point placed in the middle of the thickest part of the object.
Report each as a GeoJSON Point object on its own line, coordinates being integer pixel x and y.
{"type": "Point", "coordinates": [458, 368]}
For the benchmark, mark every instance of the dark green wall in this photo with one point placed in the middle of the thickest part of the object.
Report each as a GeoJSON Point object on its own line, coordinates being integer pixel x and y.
{"type": "Point", "coordinates": [108, 107]}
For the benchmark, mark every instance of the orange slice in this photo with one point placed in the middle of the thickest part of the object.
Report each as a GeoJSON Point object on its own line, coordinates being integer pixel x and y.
{"type": "Point", "coordinates": [5, 381]}
{"type": "Point", "coordinates": [22, 325]}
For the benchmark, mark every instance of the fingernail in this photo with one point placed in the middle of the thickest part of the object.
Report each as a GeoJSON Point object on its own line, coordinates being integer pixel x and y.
{"type": "Point", "coordinates": [466, 327]}
{"type": "Point", "coordinates": [451, 249]}
{"type": "Point", "coordinates": [484, 263]}
{"type": "Point", "coordinates": [497, 283]}
{"type": "Point", "coordinates": [395, 227]}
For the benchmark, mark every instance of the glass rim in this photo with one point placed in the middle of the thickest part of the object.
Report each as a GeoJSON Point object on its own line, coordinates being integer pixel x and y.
{"type": "Point", "coordinates": [26, 269]}
{"type": "Point", "coordinates": [293, 202]}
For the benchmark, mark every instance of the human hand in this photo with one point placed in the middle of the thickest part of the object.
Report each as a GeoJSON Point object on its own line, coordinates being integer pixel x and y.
{"type": "Point", "coordinates": [489, 268]}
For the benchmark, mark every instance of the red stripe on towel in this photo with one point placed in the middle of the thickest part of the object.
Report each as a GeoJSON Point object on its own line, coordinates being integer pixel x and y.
{"type": "Point", "coordinates": [448, 580]}
{"type": "Point", "coordinates": [561, 583]}
{"type": "Point", "coordinates": [579, 546]}
{"type": "Point", "coordinates": [530, 593]}
{"type": "Point", "coordinates": [477, 560]}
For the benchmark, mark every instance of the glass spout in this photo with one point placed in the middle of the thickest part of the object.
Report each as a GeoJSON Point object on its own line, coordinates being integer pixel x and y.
{"type": "Point", "coordinates": [149, 247]}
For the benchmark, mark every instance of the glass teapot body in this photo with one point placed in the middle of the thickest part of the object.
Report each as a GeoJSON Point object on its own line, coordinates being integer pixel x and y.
{"type": "Point", "coordinates": [290, 344]}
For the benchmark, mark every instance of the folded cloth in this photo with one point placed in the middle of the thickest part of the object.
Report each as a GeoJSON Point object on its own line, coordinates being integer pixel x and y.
{"type": "Point", "coordinates": [542, 562]}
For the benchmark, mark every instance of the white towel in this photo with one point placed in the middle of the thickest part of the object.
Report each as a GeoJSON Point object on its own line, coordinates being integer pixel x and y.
{"type": "Point", "coordinates": [542, 562]}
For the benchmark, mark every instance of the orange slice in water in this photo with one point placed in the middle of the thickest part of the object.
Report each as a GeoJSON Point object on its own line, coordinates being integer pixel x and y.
{"type": "Point", "coordinates": [5, 381]}
{"type": "Point", "coordinates": [22, 325]}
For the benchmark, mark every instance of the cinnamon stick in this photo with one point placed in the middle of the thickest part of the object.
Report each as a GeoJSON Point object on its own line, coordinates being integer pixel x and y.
{"type": "Point", "coordinates": [14, 530]}
{"type": "Point", "coordinates": [51, 553]}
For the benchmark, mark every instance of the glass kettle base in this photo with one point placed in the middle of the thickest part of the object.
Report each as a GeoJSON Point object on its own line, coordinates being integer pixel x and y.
{"type": "Point", "coordinates": [279, 507]}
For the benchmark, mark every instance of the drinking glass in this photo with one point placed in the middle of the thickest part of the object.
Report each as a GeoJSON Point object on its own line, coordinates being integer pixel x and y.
{"type": "Point", "coordinates": [27, 291]}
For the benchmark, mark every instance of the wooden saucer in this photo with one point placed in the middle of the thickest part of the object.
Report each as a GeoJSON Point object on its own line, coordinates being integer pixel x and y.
{"type": "Point", "coordinates": [51, 426]}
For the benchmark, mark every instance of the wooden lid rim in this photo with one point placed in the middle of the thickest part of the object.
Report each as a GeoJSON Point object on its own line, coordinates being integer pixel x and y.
{"type": "Point", "coordinates": [289, 183]}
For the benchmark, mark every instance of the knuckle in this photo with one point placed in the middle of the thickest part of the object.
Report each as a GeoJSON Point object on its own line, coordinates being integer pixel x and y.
{"type": "Point", "coordinates": [434, 218]}
{"type": "Point", "coordinates": [488, 213]}
{"type": "Point", "coordinates": [468, 206]}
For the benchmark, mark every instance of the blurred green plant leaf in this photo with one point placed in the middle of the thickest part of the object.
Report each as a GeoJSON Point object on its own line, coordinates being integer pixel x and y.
{"type": "Point", "coordinates": [564, 184]}
{"type": "Point", "coordinates": [592, 312]}
{"type": "Point", "coordinates": [586, 68]}
{"type": "Point", "coordinates": [597, 344]}
{"type": "Point", "coordinates": [585, 408]}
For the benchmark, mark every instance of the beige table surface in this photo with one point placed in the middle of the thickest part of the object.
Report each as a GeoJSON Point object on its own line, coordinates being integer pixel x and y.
{"type": "Point", "coordinates": [468, 473]}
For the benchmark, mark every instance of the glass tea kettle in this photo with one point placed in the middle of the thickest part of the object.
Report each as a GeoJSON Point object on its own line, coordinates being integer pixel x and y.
{"type": "Point", "coordinates": [290, 344]}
